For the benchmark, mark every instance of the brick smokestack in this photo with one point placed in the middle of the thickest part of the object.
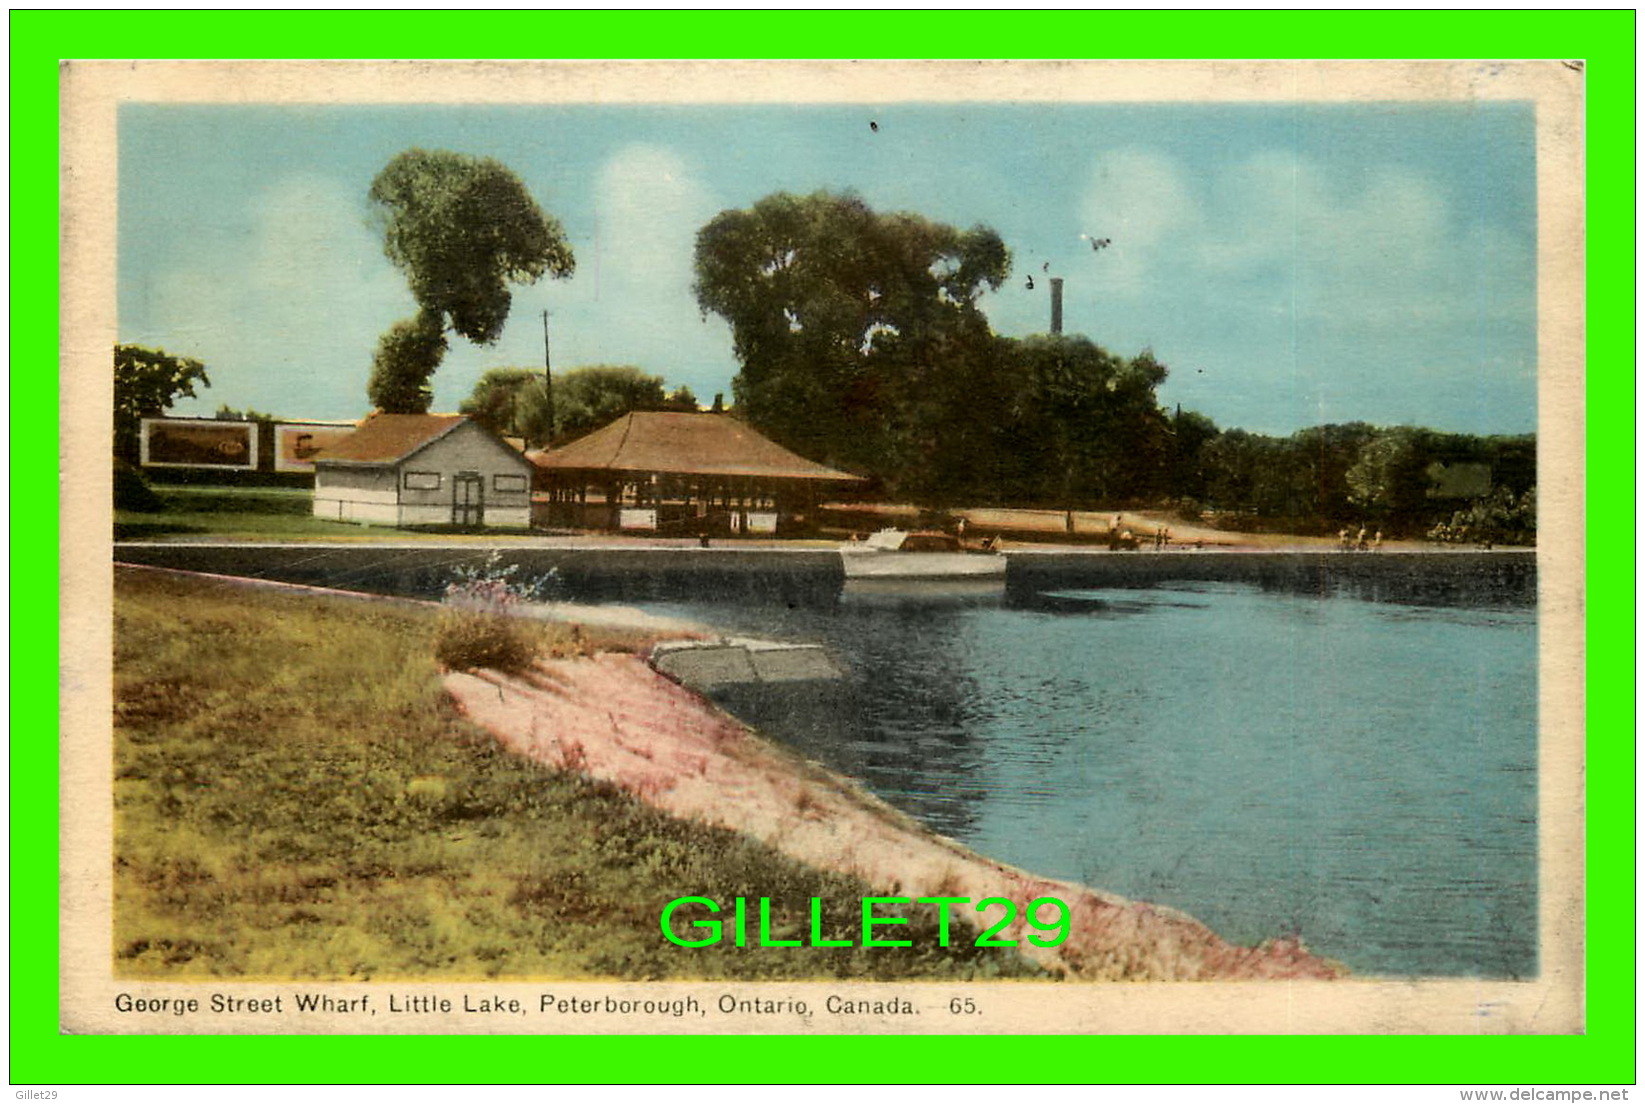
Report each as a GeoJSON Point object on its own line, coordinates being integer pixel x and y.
{"type": "Point", "coordinates": [1056, 305]}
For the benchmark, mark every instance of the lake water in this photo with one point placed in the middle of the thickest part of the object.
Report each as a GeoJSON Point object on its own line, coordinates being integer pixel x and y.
{"type": "Point", "coordinates": [1360, 774]}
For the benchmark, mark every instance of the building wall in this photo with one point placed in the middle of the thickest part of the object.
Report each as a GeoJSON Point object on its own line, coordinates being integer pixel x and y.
{"type": "Point", "coordinates": [468, 448]}
{"type": "Point", "coordinates": [508, 517]}
{"type": "Point", "coordinates": [419, 490]}
{"type": "Point", "coordinates": [363, 495]}
{"type": "Point", "coordinates": [496, 517]}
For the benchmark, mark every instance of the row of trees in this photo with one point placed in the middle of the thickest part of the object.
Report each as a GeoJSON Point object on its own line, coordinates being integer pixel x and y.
{"type": "Point", "coordinates": [1405, 480]}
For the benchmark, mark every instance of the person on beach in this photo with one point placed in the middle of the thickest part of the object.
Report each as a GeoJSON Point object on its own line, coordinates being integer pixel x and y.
{"type": "Point", "coordinates": [1376, 543]}
{"type": "Point", "coordinates": [1360, 543]}
{"type": "Point", "coordinates": [1347, 545]}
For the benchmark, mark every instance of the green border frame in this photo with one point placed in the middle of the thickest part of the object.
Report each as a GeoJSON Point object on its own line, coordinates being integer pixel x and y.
{"type": "Point", "coordinates": [40, 1055]}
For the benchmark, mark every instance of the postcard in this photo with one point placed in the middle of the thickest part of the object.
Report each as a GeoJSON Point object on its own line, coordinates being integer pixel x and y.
{"type": "Point", "coordinates": [822, 547]}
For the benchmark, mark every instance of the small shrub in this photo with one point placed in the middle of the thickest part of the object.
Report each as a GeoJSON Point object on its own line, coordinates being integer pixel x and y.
{"type": "Point", "coordinates": [132, 491]}
{"type": "Point", "coordinates": [467, 640]}
{"type": "Point", "coordinates": [483, 626]}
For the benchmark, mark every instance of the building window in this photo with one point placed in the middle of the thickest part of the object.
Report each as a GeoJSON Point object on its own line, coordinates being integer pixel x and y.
{"type": "Point", "coordinates": [514, 483]}
{"type": "Point", "coordinates": [422, 481]}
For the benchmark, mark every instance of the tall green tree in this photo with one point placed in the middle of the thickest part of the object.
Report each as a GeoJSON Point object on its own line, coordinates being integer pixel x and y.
{"type": "Point", "coordinates": [589, 397]}
{"type": "Point", "coordinates": [1189, 474]}
{"type": "Point", "coordinates": [844, 319]}
{"type": "Point", "coordinates": [513, 401]}
{"type": "Point", "coordinates": [402, 369]}
{"type": "Point", "coordinates": [1388, 479]}
{"type": "Point", "coordinates": [1089, 424]}
{"type": "Point", "coordinates": [462, 229]}
{"type": "Point", "coordinates": [146, 383]}
{"type": "Point", "coordinates": [1323, 456]}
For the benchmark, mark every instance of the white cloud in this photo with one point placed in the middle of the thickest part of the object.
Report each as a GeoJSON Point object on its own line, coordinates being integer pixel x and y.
{"type": "Point", "coordinates": [1314, 280]}
{"type": "Point", "coordinates": [648, 208]}
{"type": "Point", "coordinates": [284, 308]}
{"type": "Point", "coordinates": [1143, 203]}
{"type": "Point", "coordinates": [1381, 242]}
{"type": "Point", "coordinates": [649, 205]}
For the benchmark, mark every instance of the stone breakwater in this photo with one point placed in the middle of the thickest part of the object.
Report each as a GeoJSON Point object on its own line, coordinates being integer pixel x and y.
{"type": "Point", "coordinates": [1443, 576]}
{"type": "Point", "coordinates": [616, 719]}
{"type": "Point", "coordinates": [812, 576]}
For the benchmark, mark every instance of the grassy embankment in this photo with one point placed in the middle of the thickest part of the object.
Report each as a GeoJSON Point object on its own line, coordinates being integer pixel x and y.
{"type": "Point", "coordinates": [295, 797]}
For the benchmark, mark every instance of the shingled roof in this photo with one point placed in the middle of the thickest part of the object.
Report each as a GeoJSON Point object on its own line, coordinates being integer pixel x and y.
{"type": "Point", "coordinates": [684, 444]}
{"type": "Point", "coordinates": [390, 438]}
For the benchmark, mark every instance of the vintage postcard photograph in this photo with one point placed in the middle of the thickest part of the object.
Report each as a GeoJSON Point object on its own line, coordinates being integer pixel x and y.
{"type": "Point", "coordinates": [823, 548]}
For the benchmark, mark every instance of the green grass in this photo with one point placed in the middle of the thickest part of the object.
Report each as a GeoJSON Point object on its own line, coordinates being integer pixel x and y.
{"type": "Point", "coordinates": [247, 513]}
{"type": "Point", "coordinates": [229, 525]}
{"type": "Point", "coordinates": [295, 797]}
{"type": "Point", "coordinates": [248, 500]}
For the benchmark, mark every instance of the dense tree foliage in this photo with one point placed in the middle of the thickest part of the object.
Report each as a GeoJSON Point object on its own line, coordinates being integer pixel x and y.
{"type": "Point", "coordinates": [146, 383]}
{"type": "Point", "coordinates": [403, 367]}
{"type": "Point", "coordinates": [1404, 480]}
{"type": "Point", "coordinates": [1188, 474]}
{"type": "Point", "coordinates": [462, 229]}
{"type": "Point", "coordinates": [227, 413]}
{"type": "Point", "coordinates": [862, 345]}
{"type": "Point", "coordinates": [1087, 422]}
{"type": "Point", "coordinates": [587, 398]}
{"type": "Point", "coordinates": [844, 319]}
{"type": "Point", "coordinates": [512, 401]}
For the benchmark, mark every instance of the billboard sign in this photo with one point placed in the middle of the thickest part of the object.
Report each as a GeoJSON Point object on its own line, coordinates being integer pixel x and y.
{"type": "Point", "coordinates": [297, 443]}
{"type": "Point", "coordinates": [199, 443]}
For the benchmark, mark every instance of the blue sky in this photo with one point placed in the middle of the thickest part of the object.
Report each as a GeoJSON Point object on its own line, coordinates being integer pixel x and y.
{"type": "Point", "coordinates": [1290, 265]}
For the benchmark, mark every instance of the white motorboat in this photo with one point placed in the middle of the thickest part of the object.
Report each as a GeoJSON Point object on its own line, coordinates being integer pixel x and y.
{"type": "Point", "coordinates": [918, 555]}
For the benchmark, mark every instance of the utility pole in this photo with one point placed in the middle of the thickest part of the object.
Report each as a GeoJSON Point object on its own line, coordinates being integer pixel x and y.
{"type": "Point", "coordinates": [548, 383]}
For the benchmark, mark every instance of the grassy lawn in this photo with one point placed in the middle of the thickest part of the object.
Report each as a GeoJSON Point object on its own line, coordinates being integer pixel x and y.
{"type": "Point", "coordinates": [227, 525]}
{"type": "Point", "coordinates": [245, 513]}
{"type": "Point", "coordinates": [294, 797]}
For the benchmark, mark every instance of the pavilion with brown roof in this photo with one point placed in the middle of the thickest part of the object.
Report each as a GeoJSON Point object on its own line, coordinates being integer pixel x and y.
{"type": "Point", "coordinates": [681, 473]}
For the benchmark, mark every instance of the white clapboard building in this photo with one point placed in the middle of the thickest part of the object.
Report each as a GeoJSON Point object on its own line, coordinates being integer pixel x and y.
{"type": "Point", "coordinates": [423, 469]}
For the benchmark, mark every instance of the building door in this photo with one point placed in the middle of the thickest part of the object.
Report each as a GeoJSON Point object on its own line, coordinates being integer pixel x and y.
{"type": "Point", "coordinates": [468, 492]}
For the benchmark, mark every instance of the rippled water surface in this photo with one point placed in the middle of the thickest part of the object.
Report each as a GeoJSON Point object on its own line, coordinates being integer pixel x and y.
{"type": "Point", "coordinates": [1361, 774]}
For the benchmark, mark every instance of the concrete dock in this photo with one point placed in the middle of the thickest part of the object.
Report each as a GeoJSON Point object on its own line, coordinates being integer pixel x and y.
{"type": "Point", "coordinates": [707, 666]}
{"type": "Point", "coordinates": [812, 576]}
